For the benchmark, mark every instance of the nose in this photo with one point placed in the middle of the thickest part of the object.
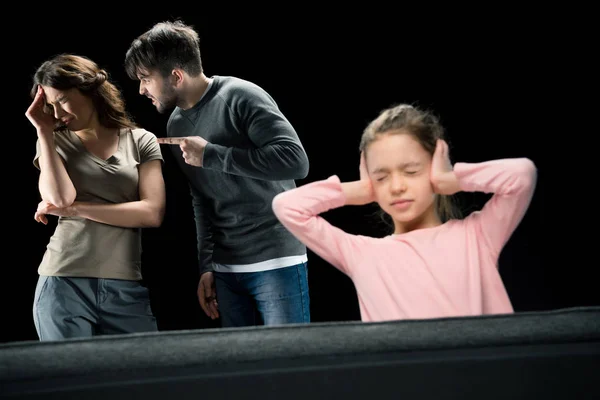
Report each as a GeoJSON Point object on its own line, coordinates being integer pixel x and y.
{"type": "Point", "coordinates": [398, 184]}
{"type": "Point", "coordinates": [142, 88]}
{"type": "Point", "coordinates": [58, 111]}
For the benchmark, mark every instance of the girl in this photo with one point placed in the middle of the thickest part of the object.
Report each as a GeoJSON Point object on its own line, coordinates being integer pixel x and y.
{"type": "Point", "coordinates": [433, 265]}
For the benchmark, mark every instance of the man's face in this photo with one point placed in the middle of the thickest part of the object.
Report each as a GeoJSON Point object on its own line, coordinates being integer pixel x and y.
{"type": "Point", "coordinates": [161, 91]}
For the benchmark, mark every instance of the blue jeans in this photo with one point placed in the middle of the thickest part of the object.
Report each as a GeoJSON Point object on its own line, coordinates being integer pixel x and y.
{"type": "Point", "coordinates": [66, 308]}
{"type": "Point", "coordinates": [274, 297]}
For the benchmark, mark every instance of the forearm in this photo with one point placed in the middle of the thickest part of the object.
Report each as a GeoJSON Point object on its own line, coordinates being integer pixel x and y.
{"type": "Point", "coordinates": [299, 212]}
{"type": "Point", "coordinates": [55, 185]}
{"type": "Point", "coordinates": [512, 177]}
{"type": "Point", "coordinates": [280, 161]}
{"type": "Point", "coordinates": [135, 214]}
{"type": "Point", "coordinates": [203, 232]}
{"type": "Point", "coordinates": [204, 245]}
{"type": "Point", "coordinates": [512, 182]}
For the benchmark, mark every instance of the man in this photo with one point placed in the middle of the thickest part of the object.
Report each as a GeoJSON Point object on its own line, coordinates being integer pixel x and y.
{"type": "Point", "coordinates": [238, 151]}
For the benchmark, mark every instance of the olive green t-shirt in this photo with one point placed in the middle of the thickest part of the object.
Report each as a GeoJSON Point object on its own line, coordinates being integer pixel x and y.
{"type": "Point", "coordinates": [83, 248]}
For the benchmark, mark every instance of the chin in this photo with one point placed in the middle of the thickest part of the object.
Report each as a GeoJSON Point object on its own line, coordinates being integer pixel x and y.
{"type": "Point", "coordinates": [400, 216]}
{"type": "Point", "coordinates": [404, 218]}
{"type": "Point", "coordinates": [164, 108]}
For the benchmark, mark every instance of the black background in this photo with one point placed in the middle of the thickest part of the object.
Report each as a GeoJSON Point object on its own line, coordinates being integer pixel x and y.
{"type": "Point", "coordinates": [493, 77]}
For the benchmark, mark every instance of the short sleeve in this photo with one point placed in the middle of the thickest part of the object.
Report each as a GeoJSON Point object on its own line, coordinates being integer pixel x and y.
{"type": "Point", "coordinates": [38, 153]}
{"type": "Point", "coordinates": [148, 146]}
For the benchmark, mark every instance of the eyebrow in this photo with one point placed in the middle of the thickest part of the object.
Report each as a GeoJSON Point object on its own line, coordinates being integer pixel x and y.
{"type": "Point", "coordinates": [58, 98]}
{"type": "Point", "coordinates": [401, 166]}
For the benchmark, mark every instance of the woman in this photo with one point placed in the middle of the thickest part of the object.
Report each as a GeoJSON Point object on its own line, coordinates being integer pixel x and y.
{"type": "Point", "coordinates": [101, 176]}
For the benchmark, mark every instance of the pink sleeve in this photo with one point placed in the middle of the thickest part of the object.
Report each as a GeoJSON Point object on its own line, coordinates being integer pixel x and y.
{"type": "Point", "coordinates": [513, 182]}
{"type": "Point", "coordinates": [298, 210]}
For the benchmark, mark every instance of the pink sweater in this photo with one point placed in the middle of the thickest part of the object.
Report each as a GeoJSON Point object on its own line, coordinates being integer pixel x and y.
{"type": "Point", "coordinates": [445, 271]}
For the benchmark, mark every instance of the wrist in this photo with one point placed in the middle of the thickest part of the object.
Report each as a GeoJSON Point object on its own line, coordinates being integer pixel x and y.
{"type": "Point", "coordinates": [448, 184]}
{"type": "Point", "coordinates": [203, 155]}
{"type": "Point", "coordinates": [76, 209]}
{"type": "Point", "coordinates": [45, 135]}
{"type": "Point", "coordinates": [358, 192]}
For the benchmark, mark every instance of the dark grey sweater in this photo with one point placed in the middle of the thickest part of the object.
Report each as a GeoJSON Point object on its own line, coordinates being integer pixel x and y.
{"type": "Point", "coordinates": [253, 154]}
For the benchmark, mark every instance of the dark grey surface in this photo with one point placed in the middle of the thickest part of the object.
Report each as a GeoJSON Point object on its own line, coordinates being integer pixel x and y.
{"type": "Point", "coordinates": [524, 354]}
{"type": "Point", "coordinates": [214, 346]}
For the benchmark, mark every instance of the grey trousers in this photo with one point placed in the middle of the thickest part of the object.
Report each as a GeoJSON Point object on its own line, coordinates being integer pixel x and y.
{"type": "Point", "coordinates": [66, 307]}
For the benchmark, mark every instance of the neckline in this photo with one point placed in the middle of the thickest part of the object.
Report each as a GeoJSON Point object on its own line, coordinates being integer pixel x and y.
{"type": "Point", "coordinates": [84, 149]}
{"type": "Point", "coordinates": [197, 106]}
